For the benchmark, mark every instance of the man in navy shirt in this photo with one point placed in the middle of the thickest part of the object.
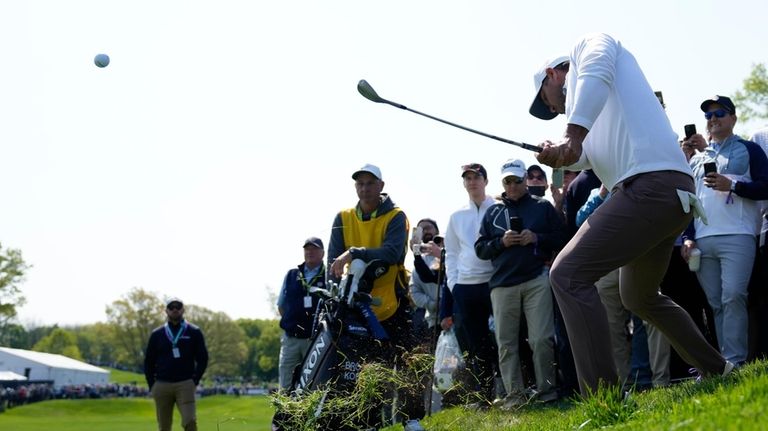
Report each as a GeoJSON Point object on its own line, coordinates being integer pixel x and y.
{"type": "Point", "coordinates": [174, 363]}
{"type": "Point", "coordinates": [297, 308]}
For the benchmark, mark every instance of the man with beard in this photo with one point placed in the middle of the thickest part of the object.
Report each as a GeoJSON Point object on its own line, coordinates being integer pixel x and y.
{"type": "Point", "coordinates": [616, 126]}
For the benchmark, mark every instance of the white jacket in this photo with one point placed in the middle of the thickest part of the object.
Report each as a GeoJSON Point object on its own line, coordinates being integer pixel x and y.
{"type": "Point", "coordinates": [461, 263]}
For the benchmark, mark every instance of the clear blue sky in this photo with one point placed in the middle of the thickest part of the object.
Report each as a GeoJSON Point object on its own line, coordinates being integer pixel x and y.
{"type": "Point", "coordinates": [225, 133]}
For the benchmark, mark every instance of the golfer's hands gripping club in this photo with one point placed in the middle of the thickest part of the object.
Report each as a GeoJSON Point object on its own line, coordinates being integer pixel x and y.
{"type": "Point", "coordinates": [567, 151]}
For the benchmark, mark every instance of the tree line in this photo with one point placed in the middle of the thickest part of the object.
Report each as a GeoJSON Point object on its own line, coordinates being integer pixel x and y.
{"type": "Point", "coordinates": [242, 349]}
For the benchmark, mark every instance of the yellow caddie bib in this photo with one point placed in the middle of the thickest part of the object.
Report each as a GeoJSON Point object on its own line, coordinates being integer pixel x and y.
{"type": "Point", "coordinates": [370, 234]}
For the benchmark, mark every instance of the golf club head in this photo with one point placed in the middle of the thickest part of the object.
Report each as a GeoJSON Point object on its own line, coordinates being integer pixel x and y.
{"type": "Point", "coordinates": [368, 92]}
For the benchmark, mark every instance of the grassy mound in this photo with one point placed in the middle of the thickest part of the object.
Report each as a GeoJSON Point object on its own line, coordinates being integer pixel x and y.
{"type": "Point", "coordinates": [737, 402]}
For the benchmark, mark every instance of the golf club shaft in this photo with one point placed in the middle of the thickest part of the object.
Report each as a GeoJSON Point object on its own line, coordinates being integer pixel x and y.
{"type": "Point", "coordinates": [369, 93]}
{"type": "Point", "coordinates": [519, 144]}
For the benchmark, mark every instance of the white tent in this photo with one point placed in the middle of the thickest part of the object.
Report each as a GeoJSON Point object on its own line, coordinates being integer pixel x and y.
{"type": "Point", "coordinates": [47, 366]}
{"type": "Point", "coordinates": [7, 376]}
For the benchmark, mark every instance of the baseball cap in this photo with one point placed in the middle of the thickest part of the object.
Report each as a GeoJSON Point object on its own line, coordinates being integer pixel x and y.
{"type": "Point", "coordinates": [537, 168]}
{"type": "Point", "coordinates": [371, 169]}
{"type": "Point", "coordinates": [514, 167]}
{"type": "Point", "coordinates": [539, 109]}
{"type": "Point", "coordinates": [723, 101]}
{"type": "Point", "coordinates": [173, 299]}
{"type": "Point", "coordinates": [474, 167]}
{"type": "Point", "coordinates": [314, 241]}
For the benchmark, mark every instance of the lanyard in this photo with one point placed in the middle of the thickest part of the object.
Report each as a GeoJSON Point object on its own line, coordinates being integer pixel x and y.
{"type": "Point", "coordinates": [175, 339]}
{"type": "Point", "coordinates": [311, 282]}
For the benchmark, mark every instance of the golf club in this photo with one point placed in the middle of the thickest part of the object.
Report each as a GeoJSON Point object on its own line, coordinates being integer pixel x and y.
{"type": "Point", "coordinates": [369, 93]}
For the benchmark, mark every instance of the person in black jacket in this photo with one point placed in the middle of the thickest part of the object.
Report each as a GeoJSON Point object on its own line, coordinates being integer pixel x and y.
{"type": "Point", "coordinates": [174, 363]}
{"type": "Point", "coordinates": [297, 308]}
{"type": "Point", "coordinates": [519, 234]}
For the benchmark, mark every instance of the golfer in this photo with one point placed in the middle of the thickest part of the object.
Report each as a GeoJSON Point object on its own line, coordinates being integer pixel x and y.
{"type": "Point", "coordinates": [617, 127]}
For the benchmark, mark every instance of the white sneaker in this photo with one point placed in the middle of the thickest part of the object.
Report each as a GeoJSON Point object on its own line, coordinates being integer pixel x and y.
{"type": "Point", "coordinates": [413, 425]}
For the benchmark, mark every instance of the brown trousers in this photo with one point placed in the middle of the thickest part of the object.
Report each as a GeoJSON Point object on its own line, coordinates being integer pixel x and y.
{"type": "Point", "coordinates": [181, 394]}
{"type": "Point", "coordinates": [634, 230]}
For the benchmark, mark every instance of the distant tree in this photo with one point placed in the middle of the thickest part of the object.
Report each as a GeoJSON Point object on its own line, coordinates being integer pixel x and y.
{"type": "Point", "coordinates": [263, 348]}
{"type": "Point", "coordinates": [132, 318]}
{"type": "Point", "coordinates": [272, 297]}
{"type": "Point", "coordinates": [752, 101]}
{"type": "Point", "coordinates": [15, 336]}
{"type": "Point", "coordinates": [268, 348]}
{"type": "Point", "coordinates": [12, 270]}
{"type": "Point", "coordinates": [37, 333]}
{"type": "Point", "coordinates": [225, 340]}
{"type": "Point", "coordinates": [96, 343]}
{"type": "Point", "coordinates": [61, 342]}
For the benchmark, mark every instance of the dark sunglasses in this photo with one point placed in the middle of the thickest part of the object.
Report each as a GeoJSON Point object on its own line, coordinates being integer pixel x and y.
{"type": "Point", "coordinates": [512, 180]}
{"type": "Point", "coordinates": [719, 113]}
{"type": "Point", "coordinates": [175, 307]}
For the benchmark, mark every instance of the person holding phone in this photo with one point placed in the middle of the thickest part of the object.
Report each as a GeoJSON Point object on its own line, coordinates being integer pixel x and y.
{"type": "Point", "coordinates": [518, 235]}
{"type": "Point", "coordinates": [426, 265]}
{"type": "Point", "coordinates": [617, 127]}
{"type": "Point", "coordinates": [691, 146]}
{"type": "Point", "coordinates": [731, 177]}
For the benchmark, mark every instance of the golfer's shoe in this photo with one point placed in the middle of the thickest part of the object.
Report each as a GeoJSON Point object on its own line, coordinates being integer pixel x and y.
{"type": "Point", "coordinates": [729, 368]}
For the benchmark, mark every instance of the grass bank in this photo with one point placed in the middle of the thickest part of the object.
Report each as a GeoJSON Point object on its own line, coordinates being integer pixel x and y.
{"type": "Point", "coordinates": [738, 402]}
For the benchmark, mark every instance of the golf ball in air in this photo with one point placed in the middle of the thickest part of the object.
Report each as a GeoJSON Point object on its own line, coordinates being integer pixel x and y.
{"type": "Point", "coordinates": [101, 60]}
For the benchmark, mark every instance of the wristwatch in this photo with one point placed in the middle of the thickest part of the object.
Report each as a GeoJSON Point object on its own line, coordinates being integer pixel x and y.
{"type": "Point", "coordinates": [733, 185]}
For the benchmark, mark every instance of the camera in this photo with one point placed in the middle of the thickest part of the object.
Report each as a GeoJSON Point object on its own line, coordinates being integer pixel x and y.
{"type": "Point", "coordinates": [438, 240]}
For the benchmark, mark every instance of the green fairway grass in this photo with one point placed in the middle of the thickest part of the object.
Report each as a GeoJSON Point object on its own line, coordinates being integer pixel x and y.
{"type": "Point", "coordinates": [220, 412]}
{"type": "Point", "coordinates": [126, 377]}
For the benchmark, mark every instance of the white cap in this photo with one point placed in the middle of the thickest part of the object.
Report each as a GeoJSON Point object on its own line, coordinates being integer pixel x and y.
{"type": "Point", "coordinates": [538, 108]}
{"type": "Point", "coordinates": [514, 167]}
{"type": "Point", "coordinates": [371, 169]}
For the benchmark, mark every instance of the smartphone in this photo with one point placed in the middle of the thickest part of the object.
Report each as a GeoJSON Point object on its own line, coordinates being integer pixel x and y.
{"type": "Point", "coordinates": [516, 224]}
{"type": "Point", "coordinates": [557, 177]}
{"type": "Point", "coordinates": [416, 235]}
{"type": "Point", "coordinates": [690, 130]}
{"type": "Point", "coordinates": [709, 167]}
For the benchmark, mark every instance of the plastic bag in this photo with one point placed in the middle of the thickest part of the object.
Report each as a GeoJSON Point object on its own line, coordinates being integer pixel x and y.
{"type": "Point", "coordinates": [448, 360]}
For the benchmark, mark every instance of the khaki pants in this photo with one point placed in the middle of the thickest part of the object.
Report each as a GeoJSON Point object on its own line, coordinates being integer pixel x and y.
{"type": "Point", "coordinates": [658, 355]}
{"type": "Point", "coordinates": [618, 316]}
{"type": "Point", "coordinates": [534, 298]}
{"type": "Point", "coordinates": [182, 394]}
{"type": "Point", "coordinates": [292, 351]}
{"type": "Point", "coordinates": [633, 230]}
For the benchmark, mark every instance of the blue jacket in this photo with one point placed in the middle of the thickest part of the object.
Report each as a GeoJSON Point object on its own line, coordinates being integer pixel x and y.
{"type": "Point", "coordinates": [296, 320]}
{"type": "Point", "coordinates": [518, 264]}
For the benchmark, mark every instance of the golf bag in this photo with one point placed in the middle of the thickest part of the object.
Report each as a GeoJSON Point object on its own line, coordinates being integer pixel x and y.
{"type": "Point", "coordinates": [344, 333]}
